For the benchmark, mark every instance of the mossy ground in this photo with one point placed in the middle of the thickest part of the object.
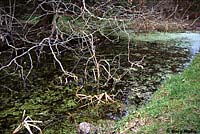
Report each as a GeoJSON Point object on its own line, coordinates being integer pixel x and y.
{"type": "Point", "coordinates": [173, 108]}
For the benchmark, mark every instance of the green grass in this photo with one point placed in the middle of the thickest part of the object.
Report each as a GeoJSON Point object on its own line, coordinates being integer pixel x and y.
{"type": "Point", "coordinates": [174, 107]}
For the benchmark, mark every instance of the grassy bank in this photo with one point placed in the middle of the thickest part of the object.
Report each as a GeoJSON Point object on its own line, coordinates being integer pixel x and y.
{"type": "Point", "coordinates": [174, 108]}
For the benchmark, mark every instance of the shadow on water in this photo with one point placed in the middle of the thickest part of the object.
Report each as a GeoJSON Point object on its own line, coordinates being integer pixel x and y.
{"type": "Point", "coordinates": [56, 104]}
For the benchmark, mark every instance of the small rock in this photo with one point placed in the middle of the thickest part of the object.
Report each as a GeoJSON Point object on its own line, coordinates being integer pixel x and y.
{"type": "Point", "coordinates": [86, 128]}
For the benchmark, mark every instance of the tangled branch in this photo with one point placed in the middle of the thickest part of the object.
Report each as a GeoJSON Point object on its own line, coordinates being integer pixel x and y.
{"type": "Point", "coordinates": [55, 37]}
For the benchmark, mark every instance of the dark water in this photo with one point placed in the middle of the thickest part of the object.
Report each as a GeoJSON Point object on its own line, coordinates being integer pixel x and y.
{"type": "Point", "coordinates": [159, 60]}
{"type": "Point", "coordinates": [46, 98]}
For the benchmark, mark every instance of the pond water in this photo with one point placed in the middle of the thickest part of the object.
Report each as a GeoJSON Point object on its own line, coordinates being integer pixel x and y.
{"type": "Point", "coordinates": [56, 104]}
{"type": "Point", "coordinates": [194, 39]}
{"type": "Point", "coordinates": [190, 40]}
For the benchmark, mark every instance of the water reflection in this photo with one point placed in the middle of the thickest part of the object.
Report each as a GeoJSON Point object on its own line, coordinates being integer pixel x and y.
{"type": "Point", "coordinates": [194, 41]}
